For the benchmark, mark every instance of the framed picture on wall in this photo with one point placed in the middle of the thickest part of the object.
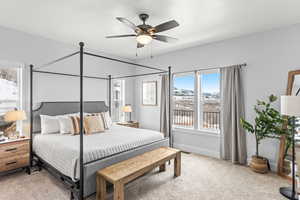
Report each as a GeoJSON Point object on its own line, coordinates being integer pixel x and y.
{"type": "Point", "coordinates": [149, 92]}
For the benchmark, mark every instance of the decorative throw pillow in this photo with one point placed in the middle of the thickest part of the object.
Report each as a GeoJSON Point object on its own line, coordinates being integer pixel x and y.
{"type": "Point", "coordinates": [49, 124]}
{"type": "Point", "coordinates": [93, 124]}
{"type": "Point", "coordinates": [65, 125]}
{"type": "Point", "coordinates": [76, 124]}
{"type": "Point", "coordinates": [102, 117]}
{"type": "Point", "coordinates": [107, 120]}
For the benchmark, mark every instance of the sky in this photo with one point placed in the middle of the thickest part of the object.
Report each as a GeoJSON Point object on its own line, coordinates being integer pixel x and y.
{"type": "Point", "coordinates": [210, 82]}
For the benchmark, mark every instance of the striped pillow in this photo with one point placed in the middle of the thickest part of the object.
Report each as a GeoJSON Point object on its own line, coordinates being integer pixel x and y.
{"type": "Point", "coordinates": [106, 119]}
{"type": "Point", "coordinates": [76, 124]}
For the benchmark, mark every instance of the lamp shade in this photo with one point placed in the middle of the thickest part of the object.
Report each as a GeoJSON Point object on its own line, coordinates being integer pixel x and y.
{"type": "Point", "coordinates": [127, 108]}
{"type": "Point", "coordinates": [290, 106]}
{"type": "Point", "coordinates": [14, 115]}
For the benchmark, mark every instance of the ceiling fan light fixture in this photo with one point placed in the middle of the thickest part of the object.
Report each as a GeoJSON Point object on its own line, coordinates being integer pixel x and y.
{"type": "Point", "coordinates": [144, 39]}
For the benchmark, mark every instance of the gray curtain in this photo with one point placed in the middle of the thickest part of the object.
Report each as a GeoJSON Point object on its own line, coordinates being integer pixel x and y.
{"type": "Point", "coordinates": [164, 106]}
{"type": "Point", "coordinates": [233, 144]}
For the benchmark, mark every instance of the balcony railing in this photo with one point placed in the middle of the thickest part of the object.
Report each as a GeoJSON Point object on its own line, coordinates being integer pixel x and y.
{"type": "Point", "coordinates": [211, 120]}
{"type": "Point", "coordinates": [185, 118]}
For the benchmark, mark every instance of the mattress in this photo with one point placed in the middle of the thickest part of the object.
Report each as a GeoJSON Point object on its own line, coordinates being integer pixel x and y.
{"type": "Point", "coordinates": [62, 151]}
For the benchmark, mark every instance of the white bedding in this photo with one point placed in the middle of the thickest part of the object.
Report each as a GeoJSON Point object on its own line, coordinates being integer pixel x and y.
{"type": "Point", "coordinates": [62, 151]}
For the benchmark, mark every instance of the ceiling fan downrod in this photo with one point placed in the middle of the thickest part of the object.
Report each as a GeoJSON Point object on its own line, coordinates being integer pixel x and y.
{"type": "Point", "coordinates": [143, 17]}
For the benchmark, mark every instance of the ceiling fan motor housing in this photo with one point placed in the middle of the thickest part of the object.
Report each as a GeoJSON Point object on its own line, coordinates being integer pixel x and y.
{"type": "Point", "coordinates": [144, 17]}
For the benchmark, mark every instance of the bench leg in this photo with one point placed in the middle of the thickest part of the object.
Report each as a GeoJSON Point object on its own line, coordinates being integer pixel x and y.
{"type": "Point", "coordinates": [162, 167]}
{"type": "Point", "coordinates": [101, 188]}
{"type": "Point", "coordinates": [177, 165]}
{"type": "Point", "coordinates": [118, 191]}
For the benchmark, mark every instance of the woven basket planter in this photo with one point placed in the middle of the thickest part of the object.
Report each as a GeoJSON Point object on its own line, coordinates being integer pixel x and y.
{"type": "Point", "coordinates": [259, 164]}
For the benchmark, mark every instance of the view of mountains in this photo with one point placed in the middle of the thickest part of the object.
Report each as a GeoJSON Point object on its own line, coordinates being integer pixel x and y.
{"type": "Point", "coordinates": [187, 92]}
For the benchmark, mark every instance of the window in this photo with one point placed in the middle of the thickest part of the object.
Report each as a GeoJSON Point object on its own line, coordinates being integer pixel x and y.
{"type": "Point", "coordinates": [197, 100]}
{"type": "Point", "coordinates": [209, 101]}
{"type": "Point", "coordinates": [118, 99]}
{"type": "Point", "coordinates": [184, 100]}
{"type": "Point", "coordinates": [10, 89]}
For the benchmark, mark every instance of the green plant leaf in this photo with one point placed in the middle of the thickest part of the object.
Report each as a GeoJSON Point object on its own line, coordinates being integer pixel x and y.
{"type": "Point", "coordinates": [246, 125]}
{"type": "Point", "coordinates": [272, 98]}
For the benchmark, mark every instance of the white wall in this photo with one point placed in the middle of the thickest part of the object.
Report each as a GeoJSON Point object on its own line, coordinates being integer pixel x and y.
{"type": "Point", "coordinates": [269, 55]}
{"type": "Point", "coordinates": [148, 116]}
{"type": "Point", "coordinates": [28, 49]}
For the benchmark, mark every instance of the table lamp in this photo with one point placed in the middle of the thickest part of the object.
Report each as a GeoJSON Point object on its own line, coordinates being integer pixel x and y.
{"type": "Point", "coordinates": [14, 116]}
{"type": "Point", "coordinates": [127, 109]}
{"type": "Point", "coordinates": [290, 106]}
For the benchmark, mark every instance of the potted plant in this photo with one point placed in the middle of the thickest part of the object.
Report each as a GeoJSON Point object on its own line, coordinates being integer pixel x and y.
{"type": "Point", "coordinates": [267, 124]}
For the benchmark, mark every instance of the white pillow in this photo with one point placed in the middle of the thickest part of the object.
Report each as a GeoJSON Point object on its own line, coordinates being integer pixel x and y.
{"type": "Point", "coordinates": [108, 120]}
{"type": "Point", "coordinates": [49, 124]}
{"type": "Point", "coordinates": [65, 125]}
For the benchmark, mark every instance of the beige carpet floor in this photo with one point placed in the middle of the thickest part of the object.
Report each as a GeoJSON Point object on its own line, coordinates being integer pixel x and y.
{"type": "Point", "coordinates": [202, 178]}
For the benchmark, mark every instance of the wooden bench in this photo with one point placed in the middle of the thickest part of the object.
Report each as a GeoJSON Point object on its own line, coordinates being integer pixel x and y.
{"type": "Point", "coordinates": [123, 172]}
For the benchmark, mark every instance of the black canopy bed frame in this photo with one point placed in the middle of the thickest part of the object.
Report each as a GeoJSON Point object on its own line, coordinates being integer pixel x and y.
{"type": "Point", "coordinates": [77, 187]}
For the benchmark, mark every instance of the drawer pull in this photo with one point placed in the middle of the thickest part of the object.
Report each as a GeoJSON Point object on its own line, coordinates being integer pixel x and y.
{"type": "Point", "coordinates": [11, 163]}
{"type": "Point", "coordinates": [12, 149]}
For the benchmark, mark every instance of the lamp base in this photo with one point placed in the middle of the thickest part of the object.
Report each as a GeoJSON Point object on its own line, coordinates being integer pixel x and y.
{"type": "Point", "coordinates": [287, 192]}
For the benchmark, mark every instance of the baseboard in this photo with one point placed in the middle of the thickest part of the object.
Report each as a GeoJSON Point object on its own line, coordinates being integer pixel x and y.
{"type": "Point", "coordinates": [273, 164]}
{"type": "Point", "coordinates": [197, 150]}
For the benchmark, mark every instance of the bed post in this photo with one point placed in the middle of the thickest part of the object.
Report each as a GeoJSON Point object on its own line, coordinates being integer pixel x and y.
{"type": "Point", "coordinates": [170, 100]}
{"type": "Point", "coordinates": [31, 113]}
{"type": "Point", "coordinates": [81, 44]}
{"type": "Point", "coordinates": [109, 94]}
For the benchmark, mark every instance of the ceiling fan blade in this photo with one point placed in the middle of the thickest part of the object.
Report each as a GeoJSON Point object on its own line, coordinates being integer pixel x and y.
{"type": "Point", "coordinates": [128, 23]}
{"type": "Point", "coordinates": [121, 36]}
{"type": "Point", "coordinates": [139, 45]}
{"type": "Point", "coordinates": [164, 38]}
{"type": "Point", "coordinates": [166, 26]}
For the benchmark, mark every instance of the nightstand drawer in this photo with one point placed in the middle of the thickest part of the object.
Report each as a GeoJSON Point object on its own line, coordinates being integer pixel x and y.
{"type": "Point", "coordinates": [14, 162]}
{"type": "Point", "coordinates": [14, 149]}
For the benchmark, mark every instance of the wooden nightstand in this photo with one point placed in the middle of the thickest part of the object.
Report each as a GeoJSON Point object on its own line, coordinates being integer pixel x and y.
{"type": "Point", "coordinates": [129, 124]}
{"type": "Point", "coordinates": [14, 154]}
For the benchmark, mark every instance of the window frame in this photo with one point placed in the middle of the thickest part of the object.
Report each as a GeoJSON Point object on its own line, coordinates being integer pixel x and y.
{"type": "Point", "coordinates": [20, 85]}
{"type": "Point", "coordinates": [198, 103]}
{"type": "Point", "coordinates": [19, 102]}
{"type": "Point", "coordinates": [173, 102]}
{"type": "Point", "coordinates": [121, 116]}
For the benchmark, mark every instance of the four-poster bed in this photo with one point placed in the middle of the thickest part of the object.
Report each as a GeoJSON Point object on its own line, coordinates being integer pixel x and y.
{"type": "Point", "coordinates": [82, 184]}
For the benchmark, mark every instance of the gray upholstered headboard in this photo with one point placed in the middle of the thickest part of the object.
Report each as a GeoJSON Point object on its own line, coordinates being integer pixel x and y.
{"type": "Point", "coordinates": [64, 107]}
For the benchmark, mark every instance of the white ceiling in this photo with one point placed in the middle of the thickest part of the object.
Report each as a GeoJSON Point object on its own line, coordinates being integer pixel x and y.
{"type": "Point", "coordinates": [201, 21]}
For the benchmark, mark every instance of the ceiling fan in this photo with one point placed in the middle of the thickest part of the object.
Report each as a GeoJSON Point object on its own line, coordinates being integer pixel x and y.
{"type": "Point", "coordinates": [145, 33]}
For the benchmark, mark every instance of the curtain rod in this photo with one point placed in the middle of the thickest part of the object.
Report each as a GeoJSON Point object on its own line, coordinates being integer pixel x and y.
{"type": "Point", "coordinates": [211, 68]}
